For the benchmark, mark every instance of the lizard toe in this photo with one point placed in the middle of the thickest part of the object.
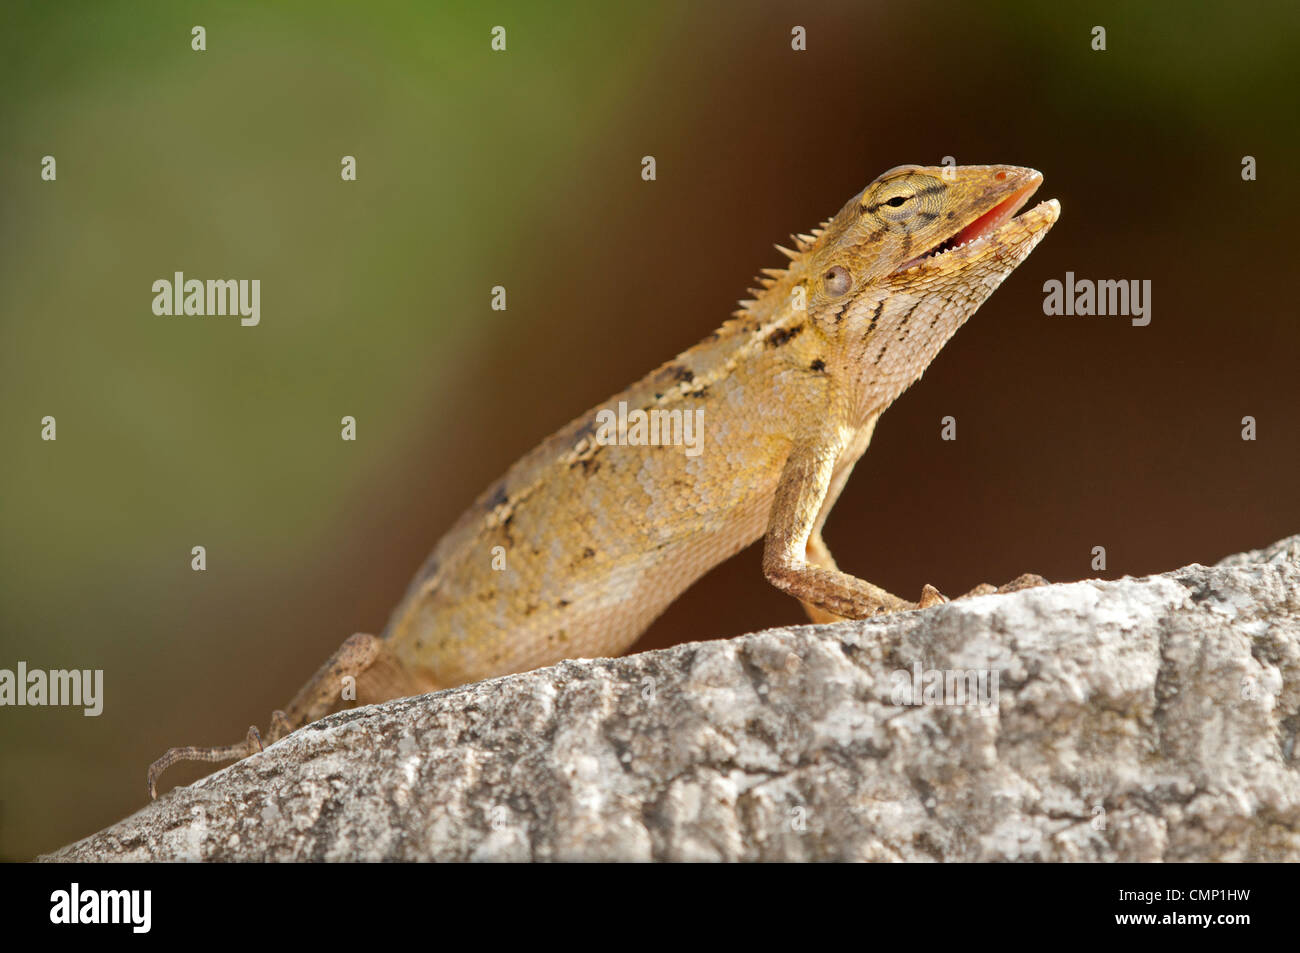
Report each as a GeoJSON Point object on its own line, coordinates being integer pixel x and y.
{"type": "Point", "coordinates": [1027, 580]}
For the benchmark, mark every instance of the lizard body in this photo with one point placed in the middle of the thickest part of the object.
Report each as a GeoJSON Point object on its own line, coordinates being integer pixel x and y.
{"type": "Point", "coordinates": [584, 542]}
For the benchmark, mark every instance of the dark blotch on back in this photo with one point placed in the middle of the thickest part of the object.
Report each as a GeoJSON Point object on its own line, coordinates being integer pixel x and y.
{"type": "Point", "coordinates": [497, 496]}
{"type": "Point", "coordinates": [782, 336]}
{"type": "Point", "coordinates": [677, 372]}
{"type": "Point", "coordinates": [588, 429]}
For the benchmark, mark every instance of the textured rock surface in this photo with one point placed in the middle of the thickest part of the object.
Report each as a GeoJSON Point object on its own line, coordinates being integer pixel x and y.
{"type": "Point", "coordinates": [1144, 719]}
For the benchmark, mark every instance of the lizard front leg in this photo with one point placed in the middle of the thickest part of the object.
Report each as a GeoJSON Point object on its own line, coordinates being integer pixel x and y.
{"type": "Point", "coordinates": [362, 656]}
{"type": "Point", "coordinates": [817, 553]}
{"type": "Point", "coordinates": [806, 487]}
{"type": "Point", "coordinates": [805, 482]}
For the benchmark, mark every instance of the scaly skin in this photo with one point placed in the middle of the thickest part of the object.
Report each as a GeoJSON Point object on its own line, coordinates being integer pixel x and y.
{"type": "Point", "coordinates": [582, 544]}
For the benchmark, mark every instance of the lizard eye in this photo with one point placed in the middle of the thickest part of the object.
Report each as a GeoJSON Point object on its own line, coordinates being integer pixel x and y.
{"type": "Point", "coordinates": [838, 281]}
{"type": "Point", "coordinates": [908, 202]}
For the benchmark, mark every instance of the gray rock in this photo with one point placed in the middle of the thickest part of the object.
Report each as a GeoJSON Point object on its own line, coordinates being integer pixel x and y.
{"type": "Point", "coordinates": [1138, 720]}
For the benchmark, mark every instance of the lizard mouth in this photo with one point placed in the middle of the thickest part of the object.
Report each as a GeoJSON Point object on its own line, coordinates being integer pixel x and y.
{"type": "Point", "coordinates": [1001, 218]}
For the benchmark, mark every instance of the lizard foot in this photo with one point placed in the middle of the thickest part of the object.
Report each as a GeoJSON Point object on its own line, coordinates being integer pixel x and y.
{"type": "Point", "coordinates": [931, 596]}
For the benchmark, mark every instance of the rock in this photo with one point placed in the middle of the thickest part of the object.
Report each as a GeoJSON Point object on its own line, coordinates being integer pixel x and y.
{"type": "Point", "coordinates": [1137, 720]}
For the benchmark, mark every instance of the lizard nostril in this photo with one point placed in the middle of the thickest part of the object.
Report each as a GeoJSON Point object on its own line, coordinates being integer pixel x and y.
{"type": "Point", "coordinates": [1000, 176]}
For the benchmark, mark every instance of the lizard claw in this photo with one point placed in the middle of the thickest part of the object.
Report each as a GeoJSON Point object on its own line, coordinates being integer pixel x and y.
{"type": "Point", "coordinates": [930, 596]}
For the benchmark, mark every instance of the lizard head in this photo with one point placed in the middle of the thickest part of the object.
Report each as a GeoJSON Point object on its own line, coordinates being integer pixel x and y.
{"type": "Point", "coordinates": [909, 259]}
{"type": "Point", "coordinates": [928, 225]}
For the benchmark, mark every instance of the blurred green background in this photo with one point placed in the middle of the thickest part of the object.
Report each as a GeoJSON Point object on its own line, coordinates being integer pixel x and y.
{"type": "Point", "coordinates": [523, 169]}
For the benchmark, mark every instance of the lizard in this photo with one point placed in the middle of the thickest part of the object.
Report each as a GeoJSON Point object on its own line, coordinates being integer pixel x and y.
{"type": "Point", "coordinates": [592, 534]}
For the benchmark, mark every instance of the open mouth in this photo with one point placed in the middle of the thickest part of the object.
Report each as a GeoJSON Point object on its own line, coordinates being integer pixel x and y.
{"type": "Point", "coordinates": [970, 235]}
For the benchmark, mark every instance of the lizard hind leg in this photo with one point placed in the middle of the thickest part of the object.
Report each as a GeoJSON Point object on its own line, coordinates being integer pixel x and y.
{"type": "Point", "coordinates": [324, 692]}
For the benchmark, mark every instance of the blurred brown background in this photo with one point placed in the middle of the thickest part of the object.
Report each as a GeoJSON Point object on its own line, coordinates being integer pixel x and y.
{"type": "Point", "coordinates": [523, 169]}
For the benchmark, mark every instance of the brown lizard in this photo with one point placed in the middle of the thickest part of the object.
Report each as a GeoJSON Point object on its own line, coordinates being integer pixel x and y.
{"type": "Point", "coordinates": [589, 537]}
